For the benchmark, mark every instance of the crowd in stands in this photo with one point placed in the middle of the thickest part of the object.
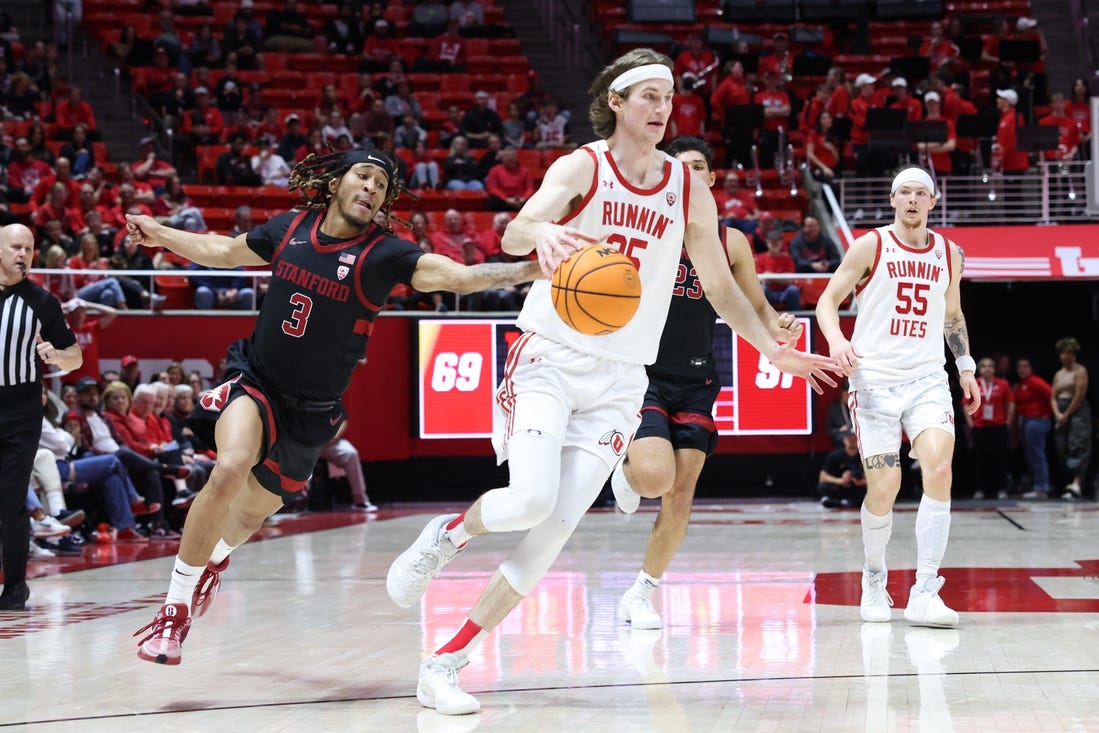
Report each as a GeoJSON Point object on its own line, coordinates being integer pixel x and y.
{"type": "Point", "coordinates": [248, 91]}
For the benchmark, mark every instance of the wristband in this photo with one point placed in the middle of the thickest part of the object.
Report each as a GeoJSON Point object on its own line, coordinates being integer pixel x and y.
{"type": "Point", "coordinates": [965, 363]}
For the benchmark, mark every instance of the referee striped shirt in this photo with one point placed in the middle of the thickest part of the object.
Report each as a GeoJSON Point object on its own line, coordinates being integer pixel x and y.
{"type": "Point", "coordinates": [27, 310]}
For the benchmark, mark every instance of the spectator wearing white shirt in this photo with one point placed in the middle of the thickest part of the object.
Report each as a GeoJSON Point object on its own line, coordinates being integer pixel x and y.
{"type": "Point", "coordinates": [269, 165]}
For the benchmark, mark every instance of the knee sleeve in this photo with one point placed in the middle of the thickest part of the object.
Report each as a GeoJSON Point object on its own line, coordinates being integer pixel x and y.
{"type": "Point", "coordinates": [534, 463]}
{"type": "Point", "coordinates": [582, 477]}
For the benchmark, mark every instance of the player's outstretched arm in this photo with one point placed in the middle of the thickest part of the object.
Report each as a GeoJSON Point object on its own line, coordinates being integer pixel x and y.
{"type": "Point", "coordinates": [436, 272]}
{"type": "Point", "coordinates": [712, 264]}
{"type": "Point", "coordinates": [855, 266]}
{"type": "Point", "coordinates": [783, 327]}
{"type": "Point", "coordinates": [564, 185]}
{"type": "Point", "coordinates": [211, 250]}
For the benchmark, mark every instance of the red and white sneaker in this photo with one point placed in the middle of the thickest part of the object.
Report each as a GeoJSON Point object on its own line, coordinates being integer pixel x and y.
{"type": "Point", "coordinates": [207, 588]}
{"type": "Point", "coordinates": [164, 643]}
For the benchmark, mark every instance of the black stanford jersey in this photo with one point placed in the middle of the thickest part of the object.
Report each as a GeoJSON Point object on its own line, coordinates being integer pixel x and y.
{"type": "Point", "coordinates": [687, 342]}
{"type": "Point", "coordinates": [321, 302]}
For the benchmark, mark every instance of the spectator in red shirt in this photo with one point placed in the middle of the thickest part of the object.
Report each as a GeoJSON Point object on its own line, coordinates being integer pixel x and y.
{"type": "Point", "coordinates": [74, 111]}
{"type": "Point", "coordinates": [688, 110]}
{"type": "Point", "coordinates": [490, 241]}
{"type": "Point", "coordinates": [940, 152]}
{"type": "Point", "coordinates": [62, 173]}
{"type": "Point", "coordinates": [379, 48]}
{"type": "Point", "coordinates": [776, 114]}
{"type": "Point", "coordinates": [1014, 160]}
{"type": "Point", "coordinates": [988, 432]}
{"type": "Point", "coordinates": [446, 53]}
{"type": "Point", "coordinates": [733, 89]}
{"type": "Point", "coordinates": [694, 59]}
{"type": "Point", "coordinates": [149, 167]}
{"type": "Point", "coordinates": [839, 96]}
{"type": "Point", "coordinates": [781, 293]}
{"type": "Point", "coordinates": [57, 208]}
{"type": "Point", "coordinates": [903, 100]}
{"type": "Point", "coordinates": [780, 61]}
{"type": "Point", "coordinates": [939, 50]}
{"type": "Point", "coordinates": [1066, 125]}
{"type": "Point", "coordinates": [824, 150]}
{"type": "Point", "coordinates": [25, 172]}
{"type": "Point", "coordinates": [448, 241]}
{"type": "Point", "coordinates": [1033, 407]}
{"type": "Point", "coordinates": [508, 183]}
{"type": "Point", "coordinates": [865, 162]}
{"type": "Point", "coordinates": [736, 207]}
{"type": "Point", "coordinates": [1079, 108]}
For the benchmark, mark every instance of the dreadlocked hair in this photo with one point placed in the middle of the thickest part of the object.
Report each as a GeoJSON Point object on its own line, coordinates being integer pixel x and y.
{"type": "Point", "coordinates": [313, 175]}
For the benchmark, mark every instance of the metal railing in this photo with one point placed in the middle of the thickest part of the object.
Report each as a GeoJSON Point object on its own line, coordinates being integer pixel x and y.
{"type": "Point", "coordinates": [1048, 193]}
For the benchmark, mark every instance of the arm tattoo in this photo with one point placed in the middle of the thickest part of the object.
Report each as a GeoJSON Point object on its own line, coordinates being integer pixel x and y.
{"type": "Point", "coordinates": [496, 275]}
{"type": "Point", "coordinates": [883, 461]}
{"type": "Point", "coordinates": [957, 336]}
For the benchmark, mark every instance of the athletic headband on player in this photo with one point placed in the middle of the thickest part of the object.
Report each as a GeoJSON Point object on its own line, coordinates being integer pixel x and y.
{"type": "Point", "coordinates": [627, 79]}
{"type": "Point", "coordinates": [913, 175]}
{"type": "Point", "coordinates": [354, 157]}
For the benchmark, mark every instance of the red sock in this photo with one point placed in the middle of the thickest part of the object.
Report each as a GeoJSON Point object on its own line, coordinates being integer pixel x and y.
{"type": "Point", "coordinates": [464, 642]}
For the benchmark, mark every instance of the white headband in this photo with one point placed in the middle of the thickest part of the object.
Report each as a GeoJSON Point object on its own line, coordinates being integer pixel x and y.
{"type": "Point", "coordinates": [913, 175]}
{"type": "Point", "coordinates": [628, 78]}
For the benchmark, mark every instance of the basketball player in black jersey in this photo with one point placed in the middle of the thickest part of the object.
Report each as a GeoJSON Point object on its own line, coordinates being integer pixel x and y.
{"type": "Point", "coordinates": [677, 429]}
{"type": "Point", "coordinates": [332, 269]}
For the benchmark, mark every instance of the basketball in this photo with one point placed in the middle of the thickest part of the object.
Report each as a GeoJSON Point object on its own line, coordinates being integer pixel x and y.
{"type": "Point", "coordinates": [597, 290]}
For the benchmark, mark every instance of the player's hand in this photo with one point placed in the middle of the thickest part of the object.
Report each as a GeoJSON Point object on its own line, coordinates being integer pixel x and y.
{"type": "Point", "coordinates": [971, 393]}
{"type": "Point", "coordinates": [790, 328]}
{"type": "Point", "coordinates": [813, 368]}
{"type": "Point", "coordinates": [555, 244]}
{"type": "Point", "coordinates": [845, 356]}
{"type": "Point", "coordinates": [143, 229]}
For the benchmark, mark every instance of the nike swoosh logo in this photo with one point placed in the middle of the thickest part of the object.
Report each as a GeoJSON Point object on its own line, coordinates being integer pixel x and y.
{"type": "Point", "coordinates": [297, 241]}
{"type": "Point", "coordinates": [335, 420]}
{"type": "Point", "coordinates": [709, 382]}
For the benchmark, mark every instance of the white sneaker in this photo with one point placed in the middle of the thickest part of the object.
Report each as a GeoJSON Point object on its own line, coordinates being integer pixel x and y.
{"type": "Point", "coordinates": [876, 602]}
{"type": "Point", "coordinates": [39, 553]}
{"type": "Point", "coordinates": [637, 610]}
{"type": "Point", "coordinates": [415, 567]}
{"type": "Point", "coordinates": [438, 688]}
{"type": "Point", "coordinates": [925, 608]}
{"type": "Point", "coordinates": [48, 527]}
{"type": "Point", "coordinates": [628, 500]}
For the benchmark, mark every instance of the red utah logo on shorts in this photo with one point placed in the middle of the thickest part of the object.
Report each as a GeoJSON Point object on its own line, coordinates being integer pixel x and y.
{"type": "Point", "coordinates": [215, 399]}
{"type": "Point", "coordinates": [616, 441]}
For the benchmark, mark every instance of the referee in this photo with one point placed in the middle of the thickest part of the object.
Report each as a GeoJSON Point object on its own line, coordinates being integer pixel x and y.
{"type": "Point", "coordinates": [31, 325]}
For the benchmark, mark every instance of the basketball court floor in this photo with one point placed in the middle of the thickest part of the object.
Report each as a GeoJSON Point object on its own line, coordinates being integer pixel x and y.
{"type": "Point", "coordinates": [762, 632]}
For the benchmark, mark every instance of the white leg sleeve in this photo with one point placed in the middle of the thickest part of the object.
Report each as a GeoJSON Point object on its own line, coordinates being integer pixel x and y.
{"type": "Point", "coordinates": [534, 465]}
{"type": "Point", "coordinates": [582, 477]}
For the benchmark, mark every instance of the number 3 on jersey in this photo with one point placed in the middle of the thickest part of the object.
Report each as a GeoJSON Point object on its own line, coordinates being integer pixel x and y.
{"type": "Point", "coordinates": [296, 323]}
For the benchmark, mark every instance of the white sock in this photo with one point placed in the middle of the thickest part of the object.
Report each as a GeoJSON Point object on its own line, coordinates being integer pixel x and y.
{"type": "Point", "coordinates": [456, 531]}
{"type": "Point", "coordinates": [932, 532]}
{"type": "Point", "coordinates": [184, 579]}
{"type": "Point", "coordinates": [56, 500]}
{"type": "Point", "coordinates": [876, 532]}
{"type": "Point", "coordinates": [221, 551]}
{"type": "Point", "coordinates": [644, 585]}
{"type": "Point", "coordinates": [181, 485]}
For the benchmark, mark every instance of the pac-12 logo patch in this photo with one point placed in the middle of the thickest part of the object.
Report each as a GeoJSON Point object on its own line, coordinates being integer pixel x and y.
{"type": "Point", "coordinates": [670, 198]}
{"type": "Point", "coordinates": [615, 440]}
{"type": "Point", "coordinates": [341, 271]}
{"type": "Point", "coordinates": [215, 399]}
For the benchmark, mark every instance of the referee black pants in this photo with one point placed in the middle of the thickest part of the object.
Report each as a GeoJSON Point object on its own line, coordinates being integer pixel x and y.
{"type": "Point", "coordinates": [19, 433]}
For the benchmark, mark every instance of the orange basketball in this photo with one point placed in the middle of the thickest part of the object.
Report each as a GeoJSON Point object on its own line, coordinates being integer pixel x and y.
{"type": "Point", "coordinates": [597, 290]}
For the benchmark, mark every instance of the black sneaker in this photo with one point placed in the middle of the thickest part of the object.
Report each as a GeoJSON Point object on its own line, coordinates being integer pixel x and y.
{"type": "Point", "coordinates": [68, 545]}
{"type": "Point", "coordinates": [14, 597]}
{"type": "Point", "coordinates": [70, 517]}
{"type": "Point", "coordinates": [184, 499]}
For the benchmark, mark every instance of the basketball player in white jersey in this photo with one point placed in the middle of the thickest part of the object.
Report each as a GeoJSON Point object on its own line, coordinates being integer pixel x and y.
{"type": "Point", "coordinates": [677, 430]}
{"type": "Point", "coordinates": [906, 281]}
{"type": "Point", "coordinates": [569, 402]}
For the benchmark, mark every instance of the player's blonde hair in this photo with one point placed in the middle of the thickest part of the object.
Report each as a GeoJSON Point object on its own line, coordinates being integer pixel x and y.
{"type": "Point", "coordinates": [602, 117]}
